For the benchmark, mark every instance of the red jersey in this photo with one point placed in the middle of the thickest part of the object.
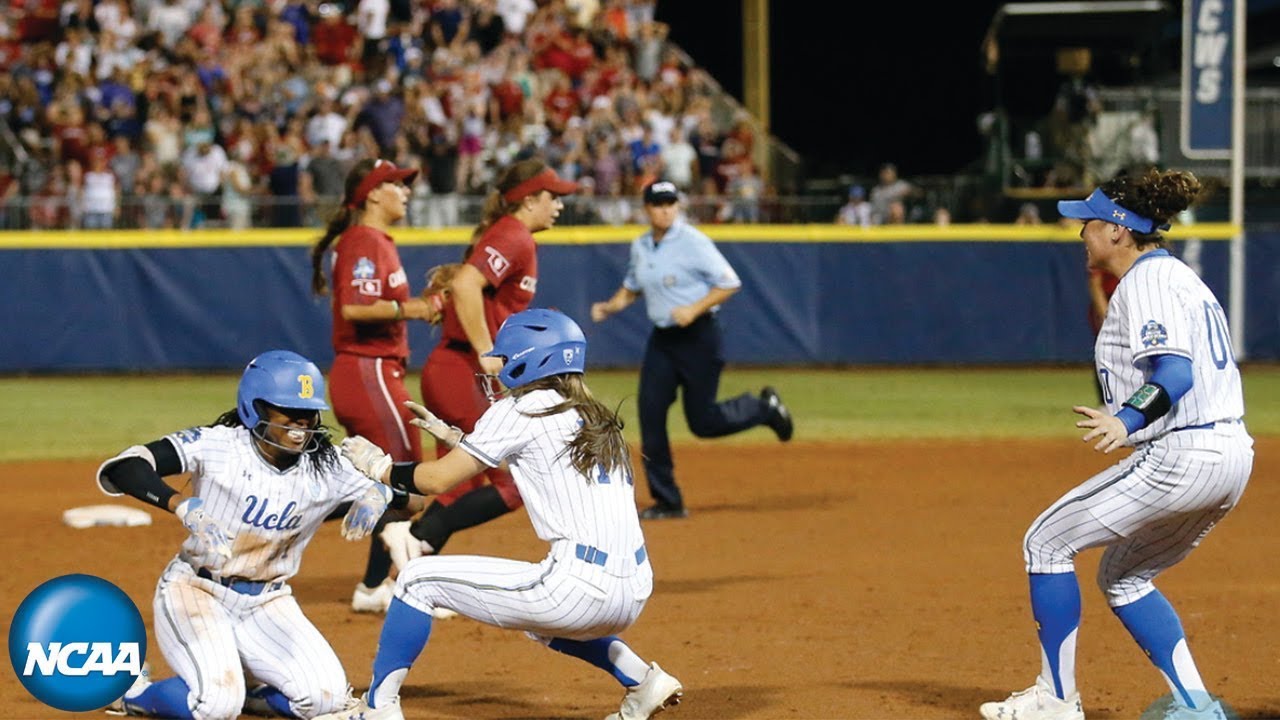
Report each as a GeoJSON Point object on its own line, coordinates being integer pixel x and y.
{"type": "Point", "coordinates": [366, 269]}
{"type": "Point", "coordinates": [508, 258]}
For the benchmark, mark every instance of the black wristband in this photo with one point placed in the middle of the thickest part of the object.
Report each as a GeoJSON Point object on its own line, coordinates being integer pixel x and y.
{"type": "Point", "coordinates": [1152, 401]}
{"type": "Point", "coordinates": [402, 477]}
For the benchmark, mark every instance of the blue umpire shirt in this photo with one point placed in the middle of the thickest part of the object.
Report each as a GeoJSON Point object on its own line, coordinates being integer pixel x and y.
{"type": "Point", "coordinates": [679, 270]}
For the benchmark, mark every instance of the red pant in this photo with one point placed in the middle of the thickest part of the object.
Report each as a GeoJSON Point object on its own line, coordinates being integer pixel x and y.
{"type": "Point", "coordinates": [452, 391]}
{"type": "Point", "coordinates": [368, 399]}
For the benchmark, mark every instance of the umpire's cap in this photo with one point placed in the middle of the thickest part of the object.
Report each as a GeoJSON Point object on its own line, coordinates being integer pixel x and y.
{"type": "Point", "coordinates": [661, 192]}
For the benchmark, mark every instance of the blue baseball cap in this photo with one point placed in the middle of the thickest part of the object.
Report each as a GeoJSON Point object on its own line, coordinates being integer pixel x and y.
{"type": "Point", "coordinates": [1100, 207]}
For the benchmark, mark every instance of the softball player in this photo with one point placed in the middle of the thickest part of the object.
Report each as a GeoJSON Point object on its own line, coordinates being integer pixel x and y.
{"type": "Point", "coordinates": [1172, 392]}
{"type": "Point", "coordinates": [498, 278]}
{"type": "Point", "coordinates": [263, 477]}
{"type": "Point", "coordinates": [371, 302]}
{"type": "Point", "coordinates": [568, 458]}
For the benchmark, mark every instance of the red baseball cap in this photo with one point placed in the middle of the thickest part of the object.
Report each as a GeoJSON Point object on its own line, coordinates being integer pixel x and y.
{"type": "Point", "coordinates": [545, 180]}
{"type": "Point", "coordinates": [383, 171]}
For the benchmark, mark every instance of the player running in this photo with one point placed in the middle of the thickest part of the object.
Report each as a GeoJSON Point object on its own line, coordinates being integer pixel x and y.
{"type": "Point", "coordinates": [1172, 392]}
{"type": "Point", "coordinates": [263, 478]}
{"type": "Point", "coordinates": [566, 453]}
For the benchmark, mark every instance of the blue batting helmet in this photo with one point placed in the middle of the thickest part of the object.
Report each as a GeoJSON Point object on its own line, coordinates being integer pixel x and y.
{"type": "Point", "coordinates": [281, 378]}
{"type": "Point", "coordinates": [537, 344]}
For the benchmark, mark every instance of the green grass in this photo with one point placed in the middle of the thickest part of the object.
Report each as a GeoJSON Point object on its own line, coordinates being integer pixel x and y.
{"type": "Point", "coordinates": [93, 417]}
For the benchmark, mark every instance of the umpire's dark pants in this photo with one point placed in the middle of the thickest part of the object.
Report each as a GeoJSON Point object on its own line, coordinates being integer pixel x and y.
{"type": "Point", "coordinates": [689, 357]}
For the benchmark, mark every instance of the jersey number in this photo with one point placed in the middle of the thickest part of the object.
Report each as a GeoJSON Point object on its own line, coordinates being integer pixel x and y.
{"type": "Point", "coordinates": [308, 387]}
{"type": "Point", "coordinates": [1215, 322]}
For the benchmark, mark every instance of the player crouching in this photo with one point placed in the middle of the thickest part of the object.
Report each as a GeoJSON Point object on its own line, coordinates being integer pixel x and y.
{"type": "Point", "coordinates": [566, 453]}
{"type": "Point", "coordinates": [263, 478]}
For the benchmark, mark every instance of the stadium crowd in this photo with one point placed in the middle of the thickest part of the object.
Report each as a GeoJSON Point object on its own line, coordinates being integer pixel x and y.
{"type": "Point", "coordinates": [187, 113]}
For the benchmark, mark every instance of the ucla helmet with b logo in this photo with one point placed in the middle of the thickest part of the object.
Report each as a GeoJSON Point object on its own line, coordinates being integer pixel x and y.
{"type": "Point", "coordinates": [281, 378]}
{"type": "Point", "coordinates": [537, 344]}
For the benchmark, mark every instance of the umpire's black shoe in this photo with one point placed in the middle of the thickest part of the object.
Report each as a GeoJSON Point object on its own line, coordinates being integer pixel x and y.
{"type": "Point", "coordinates": [778, 417]}
{"type": "Point", "coordinates": [662, 511]}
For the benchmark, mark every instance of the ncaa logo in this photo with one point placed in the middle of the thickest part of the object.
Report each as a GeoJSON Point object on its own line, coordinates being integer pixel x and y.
{"type": "Point", "coordinates": [77, 643]}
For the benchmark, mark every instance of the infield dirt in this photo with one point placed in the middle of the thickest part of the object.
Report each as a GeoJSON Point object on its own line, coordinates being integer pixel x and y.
{"type": "Point", "coordinates": [862, 580]}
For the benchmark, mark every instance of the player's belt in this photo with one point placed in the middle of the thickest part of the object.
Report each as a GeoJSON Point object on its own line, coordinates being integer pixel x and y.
{"type": "Point", "coordinates": [596, 556]}
{"type": "Point", "coordinates": [240, 585]}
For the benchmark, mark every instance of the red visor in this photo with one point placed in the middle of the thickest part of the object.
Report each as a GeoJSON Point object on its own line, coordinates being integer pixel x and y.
{"type": "Point", "coordinates": [545, 180]}
{"type": "Point", "coordinates": [383, 171]}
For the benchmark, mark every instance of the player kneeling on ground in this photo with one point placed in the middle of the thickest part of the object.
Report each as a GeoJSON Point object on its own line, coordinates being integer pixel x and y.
{"type": "Point", "coordinates": [263, 478]}
{"type": "Point", "coordinates": [567, 456]}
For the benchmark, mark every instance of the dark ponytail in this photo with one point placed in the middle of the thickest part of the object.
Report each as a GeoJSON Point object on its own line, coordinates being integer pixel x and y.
{"type": "Point", "coordinates": [342, 218]}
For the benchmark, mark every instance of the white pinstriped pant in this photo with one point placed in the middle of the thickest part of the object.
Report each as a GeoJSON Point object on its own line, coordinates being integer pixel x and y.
{"type": "Point", "coordinates": [1150, 510]}
{"type": "Point", "coordinates": [559, 597]}
{"type": "Point", "coordinates": [211, 635]}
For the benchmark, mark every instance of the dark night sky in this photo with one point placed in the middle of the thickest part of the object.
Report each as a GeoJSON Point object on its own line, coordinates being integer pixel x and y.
{"type": "Point", "coordinates": [855, 84]}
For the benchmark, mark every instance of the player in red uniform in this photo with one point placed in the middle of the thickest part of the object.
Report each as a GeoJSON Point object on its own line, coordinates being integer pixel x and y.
{"type": "Point", "coordinates": [371, 303]}
{"type": "Point", "coordinates": [497, 279]}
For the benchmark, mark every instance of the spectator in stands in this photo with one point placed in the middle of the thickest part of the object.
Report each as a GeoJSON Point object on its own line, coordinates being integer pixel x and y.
{"type": "Point", "coordinates": [745, 191]}
{"type": "Point", "coordinates": [857, 211]}
{"type": "Point", "coordinates": [487, 27]}
{"type": "Point", "coordinates": [1028, 214]}
{"type": "Point", "coordinates": [335, 39]}
{"type": "Point", "coordinates": [237, 189]}
{"type": "Point", "coordinates": [941, 216]}
{"type": "Point", "coordinates": [382, 115]}
{"type": "Point", "coordinates": [203, 165]}
{"type": "Point", "coordinates": [101, 196]}
{"type": "Point", "coordinates": [648, 49]}
{"type": "Point", "coordinates": [679, 161]}
{"type": "Point", "coordinates": [889, 190]}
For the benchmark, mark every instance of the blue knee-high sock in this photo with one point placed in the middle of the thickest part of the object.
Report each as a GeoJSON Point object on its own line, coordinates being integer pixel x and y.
{"type": "Point", "coordinates": [1055, 605]}
{"type": "Point", "coordinates": [276, 700]}
{"type": "Point", "coordinates": [166, 698]}
{"type": "Point", "coordinates": [404, 634]}
{"type": "Point", "coordinates": [618, 660]}
{"type": "Point", "coordinates": [1155, 626]}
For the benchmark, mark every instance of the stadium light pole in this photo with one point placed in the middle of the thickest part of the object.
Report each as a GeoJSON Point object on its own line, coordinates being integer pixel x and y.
{"type": "Point", "coordinates": [755, 74]}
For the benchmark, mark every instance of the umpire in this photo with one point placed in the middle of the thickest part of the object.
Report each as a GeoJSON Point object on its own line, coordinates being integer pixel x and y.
{"type": "Point", "coordinates": [684, 280]}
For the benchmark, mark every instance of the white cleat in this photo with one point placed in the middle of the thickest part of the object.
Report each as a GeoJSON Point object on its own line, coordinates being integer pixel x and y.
{"type": "Point", "coordinates": [362, 711]}
{"type": "Point", "coordinates": [142, 682]}
{"type": "Point", "coordinates": [377, 600]}
{"type": "Point", "coordinates": [657, 692]}
{"type": "Point", "coordinates": [1037, 702]}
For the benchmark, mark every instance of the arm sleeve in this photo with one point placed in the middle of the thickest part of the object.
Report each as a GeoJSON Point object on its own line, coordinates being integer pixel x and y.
{"type": "Point", "coordinates": [138, 472]}
{"type": "Point", "coordinates": [1160, 322]}
{"type": "Point", "coordinates": [631, 280]}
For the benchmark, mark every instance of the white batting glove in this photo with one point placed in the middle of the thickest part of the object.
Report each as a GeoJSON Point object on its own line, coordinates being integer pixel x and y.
{"type": "Point", "coordinates": [365, 512]}
{"type": "Point", "coordinates": [213, 543]}
{"type": "Point", "coordinates": [366, 457]}
{"type": "Point", "coordinates": [439, 429]}
{"type": "Point", "coordinates": [402, 545]}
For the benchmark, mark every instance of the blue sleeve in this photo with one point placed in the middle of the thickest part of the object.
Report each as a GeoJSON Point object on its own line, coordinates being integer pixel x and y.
{"type": "Point", "coordinates": [711, 264]}
{"type": "Point", "coordinates": [1171, 372]}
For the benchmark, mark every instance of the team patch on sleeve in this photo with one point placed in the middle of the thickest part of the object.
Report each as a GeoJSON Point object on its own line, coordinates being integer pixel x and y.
{"type": "Point", "coordinates": [364, 280]}
{"type": "Point", "coordinates": [498, 262]}
{"type": "Point", "coordinates": [1154, 334]}
{"type": "Point", "coordinates": [188, 436]}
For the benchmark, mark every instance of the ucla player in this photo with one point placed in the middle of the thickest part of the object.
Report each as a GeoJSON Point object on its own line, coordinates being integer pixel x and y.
{"type": "Point", "coordinates": [263, 478]}
{"type": "Point", "coordinates": [570, 463]}
{"type": "Point", "coordinates": [1172, 392]}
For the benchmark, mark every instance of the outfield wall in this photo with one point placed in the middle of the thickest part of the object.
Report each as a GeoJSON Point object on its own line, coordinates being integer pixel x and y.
{"type": "Point", "coordinates": [812, 294]}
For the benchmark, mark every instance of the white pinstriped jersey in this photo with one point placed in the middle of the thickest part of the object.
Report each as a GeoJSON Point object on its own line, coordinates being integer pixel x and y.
{"type": "Point", "coordinates": [1162, 307]}
{"type": "Point", "coordinates": [270, 514]}
{"type": "Point", "coordinates": [563, 505]}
